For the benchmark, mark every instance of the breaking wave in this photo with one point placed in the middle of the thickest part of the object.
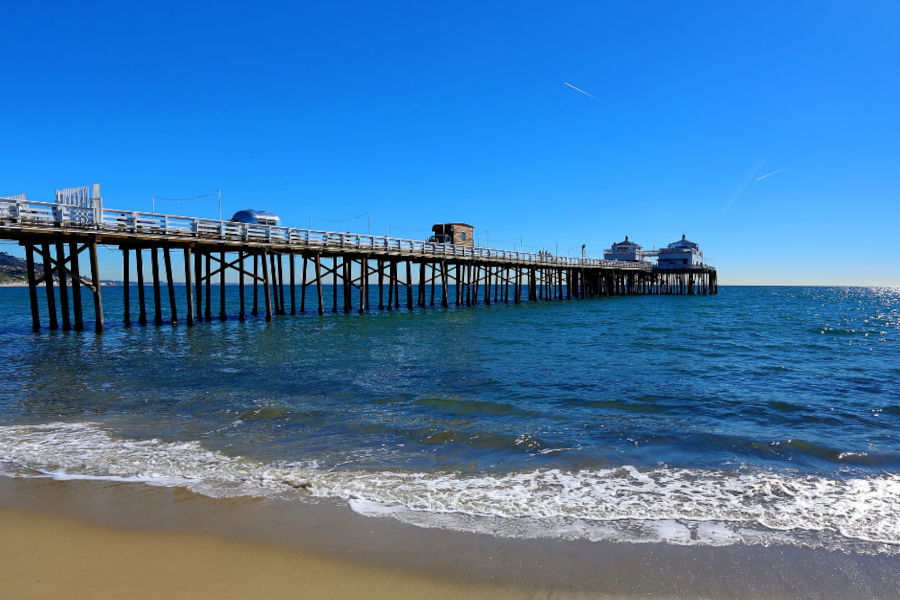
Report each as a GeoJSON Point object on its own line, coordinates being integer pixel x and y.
{"type": "Point", "coordinates": [676, 506]}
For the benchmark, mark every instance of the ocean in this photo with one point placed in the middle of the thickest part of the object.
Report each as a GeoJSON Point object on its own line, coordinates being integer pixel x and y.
{"type": "Point", "coordinates": [760, 416]}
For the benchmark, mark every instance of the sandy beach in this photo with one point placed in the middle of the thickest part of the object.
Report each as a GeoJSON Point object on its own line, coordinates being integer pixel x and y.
{"type": "Point", "coordinates": [48, 556]}
{"type": "Point", "coordinates": [89, 539]}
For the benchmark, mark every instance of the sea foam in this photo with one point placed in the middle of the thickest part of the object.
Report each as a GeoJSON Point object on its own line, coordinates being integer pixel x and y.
{"type": "Point", "coordinates": [626, 504]}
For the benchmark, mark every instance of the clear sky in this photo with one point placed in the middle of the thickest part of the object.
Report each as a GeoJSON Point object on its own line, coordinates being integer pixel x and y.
{"type": "Point", "coordinates": [424, 112]}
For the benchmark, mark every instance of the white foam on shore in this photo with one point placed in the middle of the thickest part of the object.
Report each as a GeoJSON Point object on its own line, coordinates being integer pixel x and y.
{"type": "Point", "coordinates": [675, 506]}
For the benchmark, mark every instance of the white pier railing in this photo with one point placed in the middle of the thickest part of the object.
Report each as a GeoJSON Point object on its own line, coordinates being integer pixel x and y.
{"type": "Point", "coordinates": [19, 214]}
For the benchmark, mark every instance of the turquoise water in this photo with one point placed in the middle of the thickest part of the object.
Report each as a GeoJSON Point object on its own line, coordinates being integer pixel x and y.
{"type": "Point", "coordinates": [759, 415]}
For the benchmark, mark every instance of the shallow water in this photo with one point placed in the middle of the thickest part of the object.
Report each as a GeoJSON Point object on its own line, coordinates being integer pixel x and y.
{"type": "Point", "coordinates": [756, 416]}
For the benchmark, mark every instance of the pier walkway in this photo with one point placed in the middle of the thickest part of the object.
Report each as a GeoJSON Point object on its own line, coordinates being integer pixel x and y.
{"type": "Point", "coordinates": [59, 232]}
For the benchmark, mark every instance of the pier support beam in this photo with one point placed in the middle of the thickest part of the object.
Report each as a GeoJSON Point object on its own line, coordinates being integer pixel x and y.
{"type": "Point", "coordinates": [241, 311]}
{"type": "Point", "coordinates": [380, 284]}
{"type": "Point", "coordinates": [208, 278]}
{"type": "Point", "coordinates": [303, 285]}
{"type": "Point", "coordinates": [198, 283]}
{"type": "Point", "coordinates": [188, 286]}
{"type": "Point", "coordinates": [319, 284]}
{"type": "Point", "coordinates": [32, 287]}
{"type": "Point", "coordinates": [268, 297]}
{"type": "Point", "coordinates": [142, 303]}
{"type": "Point", "coordinates": [63, 290]}
{"type": "Point", "coordinates": [48, 285]}
{"type": "Point", "coordinates": [95, 277]}
{"type": "Point", "coordinates": [170, 284]}
{"type": "Point", "coordinates": [157, 301]}
{"type": "Point", "coordinates": [254, 311]}
{"type": "Point", "coordinates": [126, 287]}
{"type": "Point", "coordinates": [222, 265]}
{"type": "Point", "coordinates": [409, 285]}
{"type": "Point", "coordinates": [293, 284]}
{"type": "Point", "coordinates": [280, 259]}
{"type": "Point", "coordinates": [76, 286]}
{"type": "Point", "coordinates": [444, 298]}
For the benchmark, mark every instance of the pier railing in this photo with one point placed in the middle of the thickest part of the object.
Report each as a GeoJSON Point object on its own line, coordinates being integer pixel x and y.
{"type": "Point", "coordinates": [18, 213]}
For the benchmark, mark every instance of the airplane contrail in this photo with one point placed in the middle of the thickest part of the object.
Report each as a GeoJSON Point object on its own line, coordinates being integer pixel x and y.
{"type": "Point", "coordinates": [761, 177]}
{"type": "Point", "coordinates": [579, 90]}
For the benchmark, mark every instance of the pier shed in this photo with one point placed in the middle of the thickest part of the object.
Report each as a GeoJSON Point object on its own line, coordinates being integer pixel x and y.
{"type": "Point", "coordinates": [460, 234]}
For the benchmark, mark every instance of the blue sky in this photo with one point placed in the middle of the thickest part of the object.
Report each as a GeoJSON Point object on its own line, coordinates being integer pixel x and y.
{"type": "Point", "coordinates": [418, 113]}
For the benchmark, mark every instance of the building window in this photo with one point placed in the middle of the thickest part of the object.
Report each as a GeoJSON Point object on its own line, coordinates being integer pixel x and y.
{"type": "Point", "coordinates": [462, 236]}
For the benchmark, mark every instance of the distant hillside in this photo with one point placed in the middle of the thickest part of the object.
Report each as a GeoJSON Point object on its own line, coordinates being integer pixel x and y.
{"type": "Point", "coordinates": [12, 269]}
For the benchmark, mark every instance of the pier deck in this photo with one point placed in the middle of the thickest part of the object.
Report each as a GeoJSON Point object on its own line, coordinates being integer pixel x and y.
{"type": "Point", "coordinates": [212, 247]}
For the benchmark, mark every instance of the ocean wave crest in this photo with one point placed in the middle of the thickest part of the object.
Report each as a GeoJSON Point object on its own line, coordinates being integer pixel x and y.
{"type": "Point", "coordinates": [661, 504]}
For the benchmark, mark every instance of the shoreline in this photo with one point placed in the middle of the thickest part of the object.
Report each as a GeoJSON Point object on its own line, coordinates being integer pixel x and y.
{"type": "Point", "coordinates": [272, 546]}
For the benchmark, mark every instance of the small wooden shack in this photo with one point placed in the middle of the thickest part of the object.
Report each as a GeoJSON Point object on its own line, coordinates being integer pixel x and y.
{"type": "Point", "coordinates": [460, 234]}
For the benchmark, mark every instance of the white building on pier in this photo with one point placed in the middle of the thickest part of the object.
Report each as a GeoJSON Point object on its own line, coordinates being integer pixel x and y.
{"type": "Point", "coordinates": [624, 250]}
{"type": "Point", "coordinates": [682, 254]}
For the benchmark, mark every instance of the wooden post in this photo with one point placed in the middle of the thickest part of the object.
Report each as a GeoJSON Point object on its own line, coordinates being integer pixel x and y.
{"type": "Point", "coordinates": [433, 276]}
{"type": "Point", "coordinates": [95, 277]}
{"type": "Point", "coordinates": [380, 284]}
{"type": "Point", "coordinates": [222, 314]}
{"type": "Point", "coordinates": [532, 285]}
{"type": "Point", "coordinates": [334, 286]}
{"type": "Point", "coordinates": [396, 280]}
{"type": "Point", "coordinates": [198, 282]}
{"type": "Point", "coordinates": [63, 290]}
{"type": "Point", "coordinates": [366, 279]}
{"type": "Point", "coordinates": [208, 310]}
{"type": "Point", "coordinates": [188, 286]}
{"type": "Point", "coordinates": [280, 261]}
{"type": "Point", "coordinates": [319, 285]}
{"type": "Point", "coordinates": [32, 287]}
{"type": "Point", "coordinates": [268, 291]}
{"type": "Point", "coordinates": [142, 303]}
{"type": "Point", "coordinates": [444, 301]}
{"type": "Point", "coordinates": [409, 285]}
{"type": "Point", "coordinates": [274, 276]}
{"type": "Point", "coordinates": [391, 275]}
{"type": "Point", "coordinates": [254, 311]}
{"type": "Point", "coordinates": [466, 283]}
{"type": "Point", "coordinates": [126, 284]}
{"type": "Point", "coordinates": [517, 291]}
{"type": "Point", "coordinates": [170, 283]}
{"type": "Point", "coordinates": [292, 259]}
{"type": "Point", "coordinates": [242, 313]}
{"type": "Point", "coordinates": [48, 285]}
{"type": "Point", "coordinates": [157, 301]}
{"type": "Point", "coordinates": [303, 286]}
{"type": "Point", "coordinates": [421, 298]}
{"type": "Point", "coordinates": [363, 283]}
{"type": "Point", "coordinates": [347, 280]}
{"type": "Point", "coordinates": [76, 286]}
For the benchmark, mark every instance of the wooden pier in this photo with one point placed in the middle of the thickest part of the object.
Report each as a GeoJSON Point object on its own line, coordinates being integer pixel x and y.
{"type": "Point", "coordinates": [267, 259]}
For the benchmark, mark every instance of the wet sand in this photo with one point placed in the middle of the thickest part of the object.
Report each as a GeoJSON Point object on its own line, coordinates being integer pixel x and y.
{"type": "Point", "coordinates": [47, 556]}
{"type": "Point", "coordinates": [91, 539]}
